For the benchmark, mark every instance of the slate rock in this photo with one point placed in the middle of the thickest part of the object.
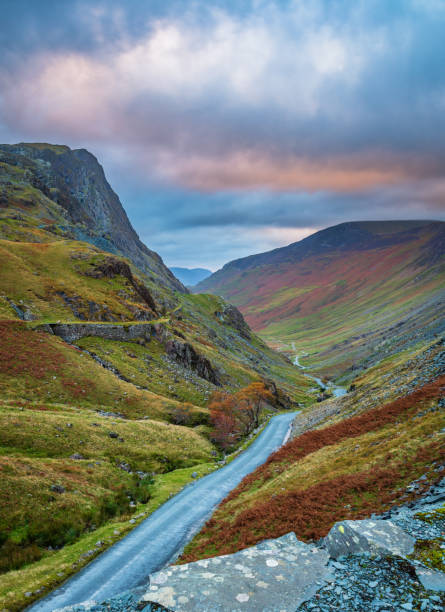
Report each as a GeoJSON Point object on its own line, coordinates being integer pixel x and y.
{"type": "Point", "coordinates": [431, 580]}
{"type": "Point", "coordinates": [57, 488]}
{"type": "Point", "coordinates": [367, 536]}
{"type": "Point", "coordinates": [273, 576]}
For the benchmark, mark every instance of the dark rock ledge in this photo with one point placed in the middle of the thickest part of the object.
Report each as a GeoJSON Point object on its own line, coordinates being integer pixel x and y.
{"type": "Point", "coordinates": [182, 353]}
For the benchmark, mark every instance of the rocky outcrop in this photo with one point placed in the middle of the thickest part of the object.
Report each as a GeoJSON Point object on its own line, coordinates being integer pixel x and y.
{"type": "Point", "coordinates": [233, 317]}
{"type": "Point", "coordinates": [75, 181]}
{"type": "Point", "coordinates": [184, 354]}
{"type": "Point", "coordinates": [368, 536]}
{"type": "Point", "coordinates": [280, 399]}
{"type": "Point", "coordinates": [274, 576]}
{"type": "Point", "coordinates": [112, 267]}
{"type": "Point", "coordinates": [72, 332]}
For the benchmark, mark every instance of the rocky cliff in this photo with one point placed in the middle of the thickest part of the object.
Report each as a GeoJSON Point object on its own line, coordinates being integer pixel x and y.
{"type": "Point", "coordinates": [89, 209]}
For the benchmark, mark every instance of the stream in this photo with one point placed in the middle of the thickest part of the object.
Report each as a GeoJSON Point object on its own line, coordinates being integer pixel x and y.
{"type": "Point", "coordinates": [330, 387]}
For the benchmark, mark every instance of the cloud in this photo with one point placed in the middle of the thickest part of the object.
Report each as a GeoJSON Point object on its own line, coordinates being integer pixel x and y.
{"type": "Point", "coordinates": [251, 114]}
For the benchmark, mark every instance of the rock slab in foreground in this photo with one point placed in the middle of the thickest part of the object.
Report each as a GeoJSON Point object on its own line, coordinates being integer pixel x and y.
{"type": "Point", "coordinates": [274, 576]}
{"type": "Point", "coordinates": [373, 536]}
{"type": "Point", "coordinates": [431, 579]}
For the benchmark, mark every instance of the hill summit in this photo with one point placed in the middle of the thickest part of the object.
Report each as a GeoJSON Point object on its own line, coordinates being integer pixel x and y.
{"type": "Point", "coordinates": [343, 291]}
{"type": "Point", "coordinates": [68, 192]}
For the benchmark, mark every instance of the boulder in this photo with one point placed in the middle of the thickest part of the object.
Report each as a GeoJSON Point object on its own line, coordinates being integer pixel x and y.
{"type": "Point", "coordinates": [431, 580]}
{"type": "Point", "coordinates": [233, 317]}
{"type": "Point", "coordinates": [274, 576]}
{"type": "Point", "coordinates": [367, 536]}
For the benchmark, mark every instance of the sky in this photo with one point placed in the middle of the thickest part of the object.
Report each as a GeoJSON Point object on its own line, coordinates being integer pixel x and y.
{"type": "Point", "coordinates": [233, 127]}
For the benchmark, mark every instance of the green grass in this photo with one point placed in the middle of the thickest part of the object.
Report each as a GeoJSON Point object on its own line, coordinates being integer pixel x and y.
{"type": "Point", "coordinates": [146, 445]}
{"type": "Point", "coordinates": [56, 566]}
{"type": "Point", "coordinates": [431, 553]}
{"type": "Point", "coordinates": [39, 367]}
{"type": "Point", "coordinates": [52, 270]}
{"type": "Point", "coordinates": [36, 445]}
{"type": "Point", "coordinates": [145, 366]}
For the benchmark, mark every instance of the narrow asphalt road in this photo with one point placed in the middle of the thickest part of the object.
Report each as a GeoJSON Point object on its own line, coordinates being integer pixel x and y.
{"type": "Point", "coordinates": [158, 539]}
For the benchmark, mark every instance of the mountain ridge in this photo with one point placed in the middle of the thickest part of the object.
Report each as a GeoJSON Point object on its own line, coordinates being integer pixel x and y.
{"type": "Point", "coordinates": [75, 181]}
{"type": "Point", "coordinates": [346, 287]}
{"type": "Point", "coordinates": [298, 247]}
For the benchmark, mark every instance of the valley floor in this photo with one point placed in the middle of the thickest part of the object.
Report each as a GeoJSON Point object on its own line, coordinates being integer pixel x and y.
{"type": "Point", "coordinates": [349, 457]}
{"type": "Point", "coordinates": [377, 449]}
{"type": "Point", "coordinates": [161, 536]}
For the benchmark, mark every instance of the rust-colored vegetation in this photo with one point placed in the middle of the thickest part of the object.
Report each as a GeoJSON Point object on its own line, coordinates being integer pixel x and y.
{"type": "Point", "coordinates": [312, 441]}
{"type": "Point", "coordinates": [26, 353]}
{"type": "Point", "coordinates": [236, 415]}
{"type": "Point", "coordinates": [310, 511]}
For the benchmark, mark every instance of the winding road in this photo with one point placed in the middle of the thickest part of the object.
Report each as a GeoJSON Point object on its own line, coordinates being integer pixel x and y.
{"type": "Point", "coordinates": [159, 538]}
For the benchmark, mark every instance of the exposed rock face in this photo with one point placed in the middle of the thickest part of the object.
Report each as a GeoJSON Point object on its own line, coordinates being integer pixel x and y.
{"type": "Point", "coordinates": [181, 352]}
{"type": "Point", "coordinates": [184, 354]}
{"type": "Point", "coordinates": [75, 180]}
{"type": "Point", "coordinates": [112, 267]}
{"type": "Point", "coordinates": [233, 317]}
{"type": "Point", "coordinates": [274, 576]}
{"type": "Point", "coordinates": [354, 537]}
{"type": "Point", "coordinates": [280, 399]}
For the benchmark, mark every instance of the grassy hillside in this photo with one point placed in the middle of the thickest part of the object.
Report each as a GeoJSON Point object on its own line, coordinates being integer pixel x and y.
{"type": "Point", "coordinates": [51, 188]}
{"type": "Point", "coordinates": [97, 432]}
{"type": "Point", "coordinates": [344, 292]}
{"type": "Point", "coordinates": [349, 457]}
{"type": "Point", "coordinates": [39, 368]}
{"type": "Point", "coordinates": [69, 281]}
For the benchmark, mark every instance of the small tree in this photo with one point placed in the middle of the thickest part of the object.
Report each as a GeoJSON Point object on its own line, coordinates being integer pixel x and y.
{"type": "Point", "coordinates": [250, 401]}
{"type": "Point", "coordinates": [223, 418]}
{"type": "Point", "coordinates": [237, 415]}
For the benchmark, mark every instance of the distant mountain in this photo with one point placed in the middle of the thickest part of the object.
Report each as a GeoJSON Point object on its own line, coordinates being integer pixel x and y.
{"type": "Point", "coordinates": [342, 289]}
{"type": "Point", "coordinates": [191, 276]}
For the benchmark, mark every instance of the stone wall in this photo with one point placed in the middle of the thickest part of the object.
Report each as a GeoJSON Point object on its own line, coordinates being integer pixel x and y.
{"type": "Point", "coordinates": [71, 332]}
